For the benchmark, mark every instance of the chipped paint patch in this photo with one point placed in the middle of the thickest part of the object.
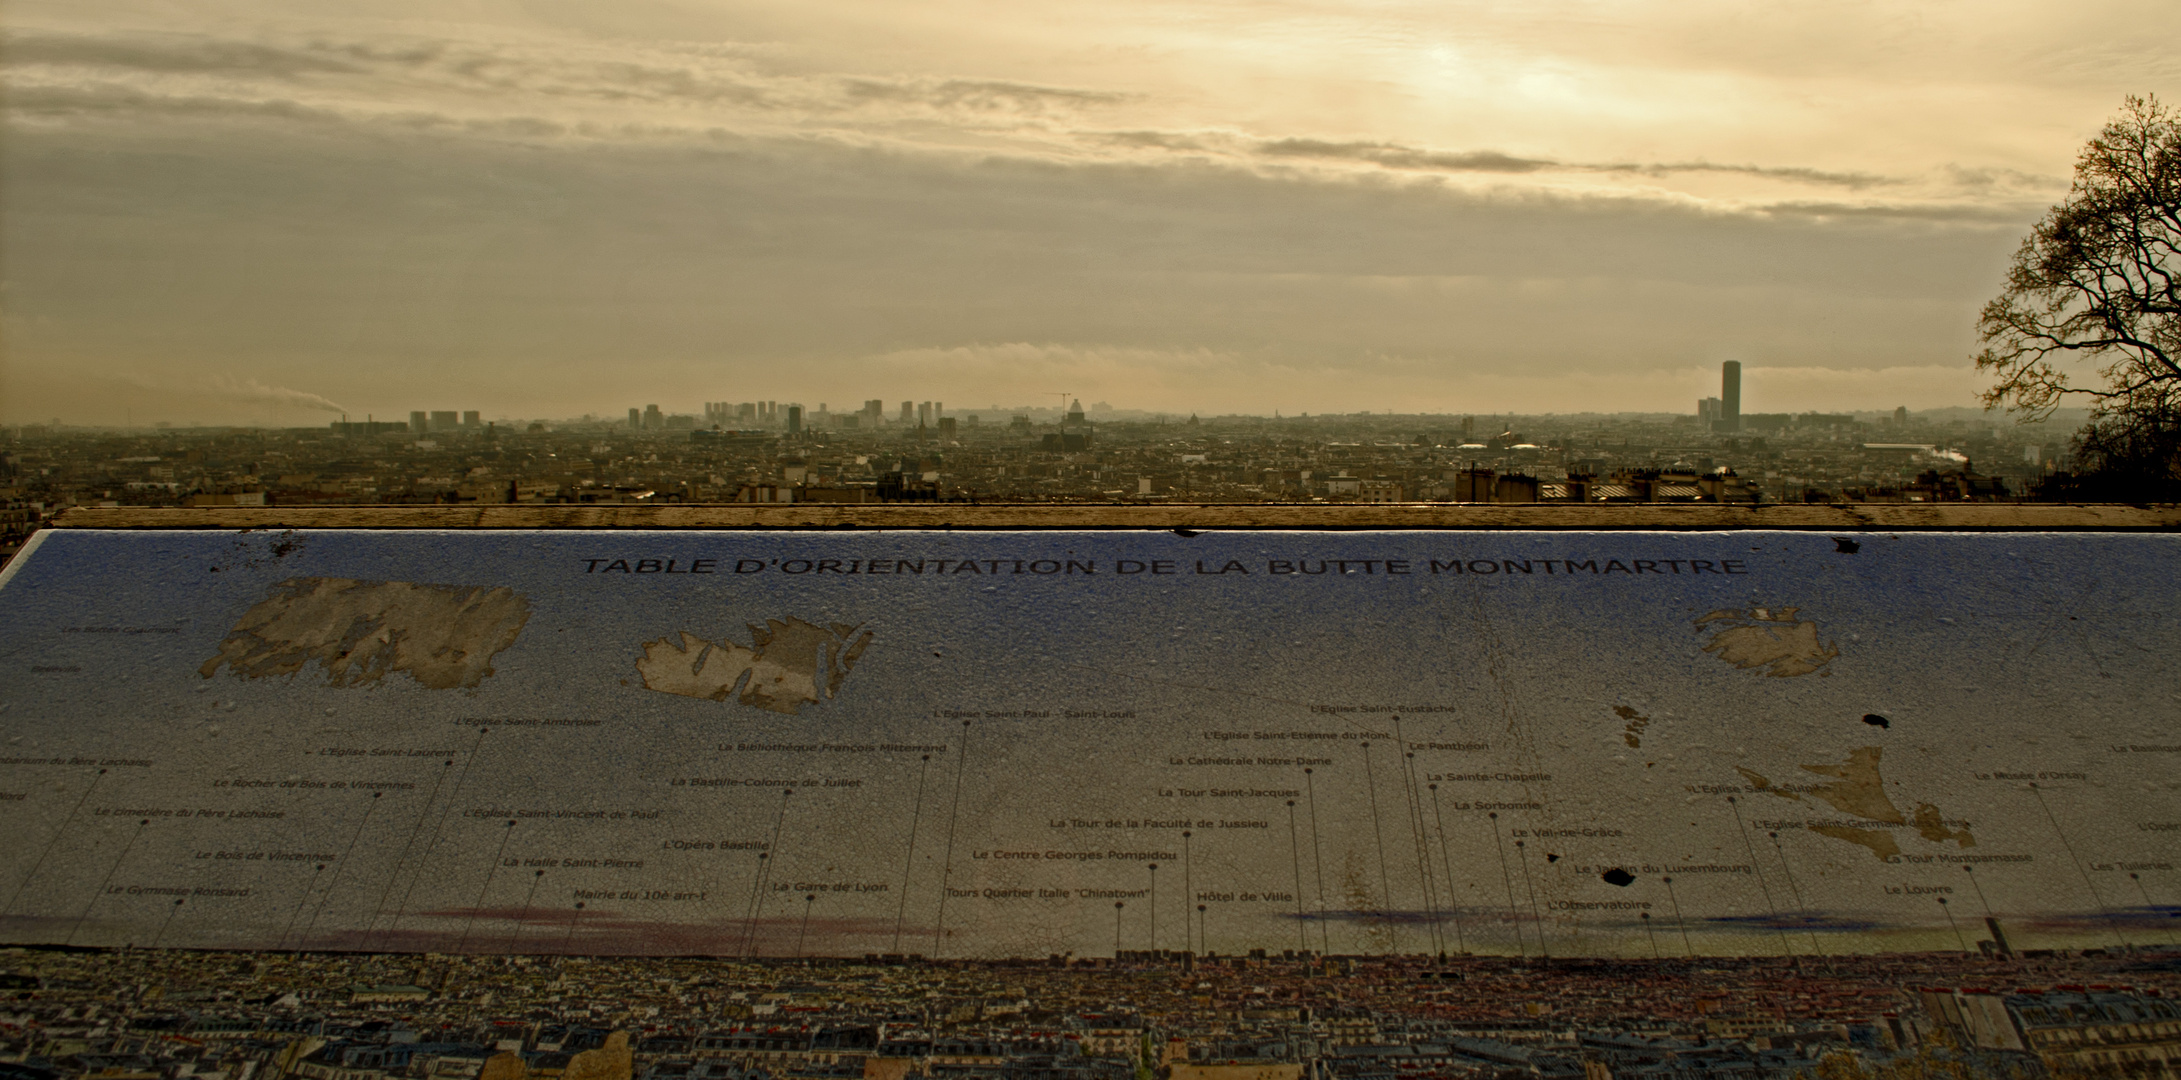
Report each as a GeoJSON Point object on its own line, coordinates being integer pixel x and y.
{"type": "Point", "coordinates": [358, 632]}
{"type": "Point", "coordinates": [1769, 638]}
{"type": "Point", "coordinates": [794, 663]}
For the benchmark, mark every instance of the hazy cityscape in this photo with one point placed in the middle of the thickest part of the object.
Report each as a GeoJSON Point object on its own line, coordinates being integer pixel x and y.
{"type": "Point", "coordinates": [880, 451]}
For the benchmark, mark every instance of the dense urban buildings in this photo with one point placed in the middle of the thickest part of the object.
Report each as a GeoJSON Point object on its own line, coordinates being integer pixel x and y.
{"type": "Point", "coordinates": [139, 1014]}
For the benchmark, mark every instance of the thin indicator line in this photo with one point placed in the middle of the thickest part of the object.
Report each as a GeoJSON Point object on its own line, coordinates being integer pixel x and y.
{"type": "Point", "coordinates": [522, 921]}
{"type": "Point", "coordinates": [946, 872]}
{"type": "Point", "coordinates": [393, 873]}
{"type": "Point", "coordinates": [108, 879]}
{"type": "Point", "coordinates": [340, 866]}
{"type": "Point", "coordinates": [1542, 948]}
{"type": "Point", "coordinates": [1800, 907]}
{"type": "Point", "coordinates": [1385, 880]}
{"type": "Point", "coordinates": [437, 830]}
{"type": "Point", "coordinates": [1958, 939]}
{"type": "Point", "coordinates": [1317, 859]}
{"type": "Point", "coordinates": [490, 872]}
{"type": "Point", "coordinates": [1453, 908]}
{"type": "Point", "coordinates": [1513, 916]}
{"type": "Point", "coordinates": [764, 870]}
{"type": "Point", "coordinates": [1680, 922]}
{"type": "Point", "coordinates": [298, 912]}
{"type": "Point", "coordinates": [2077, 860]}
{"type": "Point", "coordinates": [164, 923]}
{"type": "Point", "coordinates": [908, 861]}
{"type": "Point", "coordinates": [1295, 852]}
{"type": "Point", "coordinates": [1758, 869]}
{"type": "Point", "coordinates": [57, 834]}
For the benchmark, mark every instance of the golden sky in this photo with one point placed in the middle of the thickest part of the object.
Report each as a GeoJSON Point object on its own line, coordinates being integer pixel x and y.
{"type": "Point", "coordinates": [217, 210]}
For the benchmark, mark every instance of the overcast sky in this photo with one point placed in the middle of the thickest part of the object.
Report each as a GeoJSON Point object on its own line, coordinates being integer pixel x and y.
{"type": "Point", "coordinates": [239, 210]}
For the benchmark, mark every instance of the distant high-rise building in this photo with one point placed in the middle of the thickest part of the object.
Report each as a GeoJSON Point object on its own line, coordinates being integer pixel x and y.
{"type": "Point", "coordinates": [1900, 415]}
{"type": "Point", "coordinates": [923, 414]}
{"type": "Point", "coordinates": [872, 410]}
{"type": "Point", "coordinates": [471, 419]}
{"type": "Point", "coordinates": [795, 419]}
{"type": "Point", "coordinates": [1730, 396]}
{"type": "Point", "coordinates": [938, 409]}
{"type": "Point", "coordinates": [420, 422]}
{"type": "Point", "coordinates": [908, 413]}
{"type": "Point", "coordinates": [1707, 410]}
{"type": "Point", "coordinates": [652, 418]}
{"type": "Point", "coordinates": [445, 420]}
{"type": "Point", "coordinates": [636, 418]}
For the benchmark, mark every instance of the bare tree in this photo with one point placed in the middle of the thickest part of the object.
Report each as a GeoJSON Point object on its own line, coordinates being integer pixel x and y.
{"type": "Point", "coordinates": [2095, 285]}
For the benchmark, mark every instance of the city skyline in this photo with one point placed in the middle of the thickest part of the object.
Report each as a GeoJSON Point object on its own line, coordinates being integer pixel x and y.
{"type": "Point", "coordinates": [233, 403]}
{"type": "Point", "coordinates": [823, 415]}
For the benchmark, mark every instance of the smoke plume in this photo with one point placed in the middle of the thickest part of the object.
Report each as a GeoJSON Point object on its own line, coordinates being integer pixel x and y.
{"type": "Point", "coordinates": [254, 391]}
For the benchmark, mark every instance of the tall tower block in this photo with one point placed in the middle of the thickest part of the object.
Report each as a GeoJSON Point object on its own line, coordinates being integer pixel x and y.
{"type": "Point", "coordinates": [1730, 396]}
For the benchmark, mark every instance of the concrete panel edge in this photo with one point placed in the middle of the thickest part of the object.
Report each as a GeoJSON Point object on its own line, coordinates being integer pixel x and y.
{"type": "Point", "coordinates": [1826, 518]}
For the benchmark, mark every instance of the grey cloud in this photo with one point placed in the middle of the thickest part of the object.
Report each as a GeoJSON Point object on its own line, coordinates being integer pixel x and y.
{"type": "Point", "coordinates": [1154, 140]}
{"type": "Point", "coordinates": [630, 81]}
{"type": "Point", "coordinates": [1986, 179]}
{"type": "Point", "coordinates": [124, 105]}
{"type": "Point", "coordinates": [647, 82]}
{"type": "Point", "coordinates": [119, 102]}
{"type": "Point", "coordinates": [1396, 156]}
{"type": "Point", "coordinates": [1937, 214]}
{"type": "Point", "coordinates": [976, 95]}
{"type": "Point", "coordinates": [513, 128]}
{"type": "Point", "coordinates": [506, 70]}
{"type": "Point", "coordinates": [525, 127]}
{"type": "Point", "coordinates": [732, 81]}
{"type": "Point", "coordinates": [602, 80]}
{"type": "Point", "coordinates": [407, 54]}
{"type": "Point", "coordinates": [1393, 156]}
{"type": "Point", "coordinates": [716, 77]}
{"type": "Point", "coordinates": [662, 84]}
{"type": "Point", "coordinates": [1856, 181]}
{"type": "Point", "coordinates": [168, 54]}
